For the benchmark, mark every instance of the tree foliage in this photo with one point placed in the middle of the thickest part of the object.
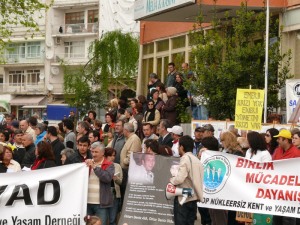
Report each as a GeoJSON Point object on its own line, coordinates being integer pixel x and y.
{"type": "Point", "coordinates": [231, 55]}
{"type": "Point", "coordinates": [113, 59]}
{"type": "Point", "coordinates": [22, 13]}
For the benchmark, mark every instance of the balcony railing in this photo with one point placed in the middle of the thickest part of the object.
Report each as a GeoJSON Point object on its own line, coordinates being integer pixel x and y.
{"type": "Point", "coordinates": [19, 88]}
{"type": "Point", "coordinates": [70, 58]}
{"type": "Point", "coordinates": [19, 58]}
{"type": "Point", "coordinates": [79, 28]}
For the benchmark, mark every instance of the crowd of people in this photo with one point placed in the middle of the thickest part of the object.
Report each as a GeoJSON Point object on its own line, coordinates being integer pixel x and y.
{"type": "Point", "coordinates": [146, 124]}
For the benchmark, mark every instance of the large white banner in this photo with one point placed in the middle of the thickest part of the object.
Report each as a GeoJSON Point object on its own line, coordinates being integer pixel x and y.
{"type": "Point", "coordinates": [44, 197]}
{"type": "Point", "coordinates": [235, 183]}
{"type": "Point", "coordinates": [292, 96]}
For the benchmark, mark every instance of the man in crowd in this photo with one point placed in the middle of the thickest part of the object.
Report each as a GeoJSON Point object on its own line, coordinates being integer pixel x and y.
{"type": "Point", "coordinates": [118, 140]}
{"type": "Point", "coordinates": [131, 119]}
{"type": "Point", "coordinates": [170, 82]}
{"type": "Point", "coordinates": [70, 137]}
{"type": "Point", "coordinates": [197, 141]}
{"type": "Point", "coordinates": [83, 128]}
{"type": "Point", "coordinates": [29, 157]}
{"type": "Point", "coordinates": [153, 81]}
{"type": "Point", "coordinates": [94, 136]}
{"type": "Point", "coordinates": [24, 126]}
{"type": "Point", "coordinates": [148, 134]}
{"type": "Point", "coordinates": [190, 175]}
{"type": "Point", "coordinates": [208, 130]}
{"type": "Point", "coordinates": [165, 138]}
{"type": "Point", "coordinates": [19, 152]}
{"type": "Point", "coordinates": [100, 196]}
{"type": "Point", "coordinates": [177, 132]}
{"type": "Point", "coordinates": [82, 154]}
{"type": "Point", "coordinates": [57, 145]}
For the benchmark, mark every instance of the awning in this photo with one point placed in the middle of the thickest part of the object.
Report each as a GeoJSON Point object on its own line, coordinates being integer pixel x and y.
{"type": "Point", "coordinates": [34, 107]}
{"type": "Point", "coordinates": [4, 105]}
{"type": "Point", "coordinates": [28, 100]}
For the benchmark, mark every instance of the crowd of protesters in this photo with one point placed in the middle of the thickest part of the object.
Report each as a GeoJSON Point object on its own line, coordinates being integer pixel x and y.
{"type": "Point", "coordinates": [147, 124]}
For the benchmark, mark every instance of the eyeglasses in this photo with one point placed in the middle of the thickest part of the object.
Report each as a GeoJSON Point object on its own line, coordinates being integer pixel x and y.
{"type": "Point", "coordinates": [150, 104]}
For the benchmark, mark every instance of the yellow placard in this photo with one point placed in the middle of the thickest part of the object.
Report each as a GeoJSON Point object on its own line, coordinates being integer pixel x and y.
{"type": "Point", "coordinates": [244, 217]}
{"type": "Point", "coordinates": [248, 109]}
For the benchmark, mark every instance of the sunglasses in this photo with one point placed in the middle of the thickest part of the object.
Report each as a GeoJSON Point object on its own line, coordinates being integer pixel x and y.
{"type": "Point", "coordinates": [150, 104]}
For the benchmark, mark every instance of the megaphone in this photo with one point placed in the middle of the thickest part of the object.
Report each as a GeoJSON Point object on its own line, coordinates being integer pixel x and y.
{"type": "Point", "coordinates": [172, 191]}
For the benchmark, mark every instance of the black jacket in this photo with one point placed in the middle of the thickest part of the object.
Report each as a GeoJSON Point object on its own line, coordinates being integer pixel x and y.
{"type": "Point", "coordinates": [29, 156]}
{"type": "Point", "coordinates": [47, 164]}
{"type": "Point", "coordinates": [166, 141]}
{"type": "Point", "coordinates": [57, 147]}
{"type": "Point", "coordinates": [77, 158]}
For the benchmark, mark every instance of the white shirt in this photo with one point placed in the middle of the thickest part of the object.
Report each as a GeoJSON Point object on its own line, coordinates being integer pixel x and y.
{"type": "Point", "coordinates": [260, 156]}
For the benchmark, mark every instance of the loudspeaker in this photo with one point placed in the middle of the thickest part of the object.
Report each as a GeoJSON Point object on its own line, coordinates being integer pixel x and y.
{"type": "Point", "coordinates": [172, 191]}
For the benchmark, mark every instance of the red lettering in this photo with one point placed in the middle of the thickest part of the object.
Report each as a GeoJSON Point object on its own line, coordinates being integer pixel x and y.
{"type": "Point", "coordinates": [291, 180]}
{"type": "Point", "coordinates": [240, 162]}
{"type": "Point", "coordinates": [260, 193]}
{"type": "Point", "coordinates": [282, 180]}
{"type": "Point", "coordinates": [265, 181]}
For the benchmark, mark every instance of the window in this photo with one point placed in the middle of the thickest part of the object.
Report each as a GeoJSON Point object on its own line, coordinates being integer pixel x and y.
{"type": "Point", "coordinates": [33, 77]}
{"type": "Point", "coordinates": [178, 42]}
{"type": "Point", "coordinates": [163, 45]}
{"type": "Point", "coordinates": [16, 51]}
{"type": "Point", "coordinates": [74, 18]}
{"type": "Point", "coordinates": [93, 16]}
{"type": "Point", "coordinates": [16, 78]}
{"type": "Point", "coordinates": [74, 49]}
{"type": "Point", "coordinates": [33, 49]}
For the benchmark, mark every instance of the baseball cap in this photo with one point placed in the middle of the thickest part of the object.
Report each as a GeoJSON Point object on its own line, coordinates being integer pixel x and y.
{"type": "Point", "coordinates": [175, 130]}
{"type": "Point", "coordinates": [15, 124]}
{"type": "Point", "coordinates": [285, 134]}
{"type": "Point", "coordinates": [208, 127]}
{"type": "Point", "coordinates": [199, 129]}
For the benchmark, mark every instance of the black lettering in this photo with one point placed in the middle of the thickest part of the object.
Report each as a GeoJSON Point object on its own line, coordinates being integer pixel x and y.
{"type": "Point", "coordinates": [14, 196]}
{"type": "Point", "coordinates": [41, 192]}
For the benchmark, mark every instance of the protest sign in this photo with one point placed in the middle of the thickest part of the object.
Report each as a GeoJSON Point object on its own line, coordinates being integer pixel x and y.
{"type": "Point", "coordinates": [236, 183]}
{"type": "Point", "coordinates": [48, 196]}
{"type": "Point", "coordinates": [292, 96]}
{"type": "Point", "coordinates": [248, 109]}
{"type": "Point", "coordinates": [145, 201]}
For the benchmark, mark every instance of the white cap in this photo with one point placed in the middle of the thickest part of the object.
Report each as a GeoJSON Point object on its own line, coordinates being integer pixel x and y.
{"type": "Point", "coordinates": [176, 130]}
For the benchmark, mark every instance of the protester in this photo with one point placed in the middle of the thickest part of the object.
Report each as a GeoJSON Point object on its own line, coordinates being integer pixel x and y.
{"type": "Point", "coordinates": [65, 154]}
{"type": "Point", "coordinates": [82, 153]}
{"type": "Point", "coordinates": [162, 92]}
{"type": "Point", "coordinates": [296, 139]}
{"type": "Point", "coordinates": [258, 149]}
{"type": "Point", "coordinates": [152, 115]}
{"type": "Point", "coordinates": [24, 126]}
{"type": "Point", "coordinates": [176, 132]}
{"type": "Point", "coordinates": [169, 109]}
{"type": "Point", "coordinates": [230, 144]}
{"type": "Point", "coordinates": [70, 137]}
{"type": "Point", "coordinates": [29, 157]}
{"type": "Point", "coordinates": [44, 156]}
{"type": "Point", "coordinates": [40, 132]}
{"type": "Point", "coordinates": [57, 145]}
{"type": "Point", "coordinates": [19, 152]}
{"type": "Point", "coordinates": [271, 141]}
{"type": "Point", "coordinates": [3, 168]}
{"type": "Point", "coordinates": [165, 138]}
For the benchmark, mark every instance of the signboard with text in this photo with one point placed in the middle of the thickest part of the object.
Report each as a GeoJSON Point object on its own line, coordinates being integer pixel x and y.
{"type": "Point", "coordinates": [248, 109]}
{"type": "Point", "coordinates": [264, 188]}
{"type": "Point", "coordinates": [144, 8]}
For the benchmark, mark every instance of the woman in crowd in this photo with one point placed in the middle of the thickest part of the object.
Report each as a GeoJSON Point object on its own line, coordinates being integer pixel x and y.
{"type": "Point", "coordinates": [3, 168]}
{"type": "Point", "coordinates": [110, 155]}
{"type": "Point", "coordinates": [271, 141]}
{"type": "Point", "coordinates": [230, 144]}
{"type": "Point", "coordinates": [158, 102]}
{"type": "Point", "coordinates": [169, 109]}
{"type": "Point", "coordinates": [10, 164]}
{"type": "Point", "coordinates": [181, 92]}
{"type": "Point", "coordinates": [162, 91]}
{"type": "Point", "coordinates": [44, 156]}
{"type": "Point", "coordinates": [133, 103]}
{"type": "Point", "coordinates": [152, 115]}
{"type": "Point", "coordinates": [113, 107]}
{"type": "Point", "coordinates": [142, 99]}
{"type": "Point", "coordinates": [296, 139]}
{"type": "Point", "coordinates": [65, 154]}
{"type": "Point", "coordinates": [258, 148]}
{"type": "Point", "coordinates": [40, 133]}
{"type": "Point", "coordinates": [4, 136]}
{"type": "Point", "coordinates": [108, 129]}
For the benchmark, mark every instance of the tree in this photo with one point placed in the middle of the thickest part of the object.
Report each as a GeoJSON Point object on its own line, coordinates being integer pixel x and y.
{"type": "Point", "coordinates": [23, 13]}
{"type": "Point", "coordinates": [113, 60]}
{"type": "Point", "coordinates": [231, 55]}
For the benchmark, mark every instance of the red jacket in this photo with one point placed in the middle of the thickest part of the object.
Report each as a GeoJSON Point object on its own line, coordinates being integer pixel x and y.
{"type": "Point", "coordinates": [292, 152]}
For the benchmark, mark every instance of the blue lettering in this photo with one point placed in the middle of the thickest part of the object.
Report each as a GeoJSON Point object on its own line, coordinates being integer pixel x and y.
{"type": "Point", "coordinates": [292, 102]}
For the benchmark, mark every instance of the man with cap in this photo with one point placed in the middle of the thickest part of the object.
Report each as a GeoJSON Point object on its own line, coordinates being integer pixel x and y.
{"type": "Point", "coordinates": [208, 130]}
{"type": "Point", "coordinates": [285, 150]}
{"type": "Point", "coordinates": [197, 141]}
{"type": "Point", "coordinates": [177, 132]}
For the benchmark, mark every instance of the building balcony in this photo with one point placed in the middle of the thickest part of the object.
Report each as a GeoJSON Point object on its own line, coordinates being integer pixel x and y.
{"type": "Point", "coordinates": [19, 32]}
{"type": "Point", "coordinates": [24, 59]}
{"type": "Point", "coordinates": [23, 88]}
{"type": "Point", "coordinates": [69, 58]}
{"type": "Point", "coordinates": [79, 29]}
{"type": "Point", "coordinates": [74, 3]}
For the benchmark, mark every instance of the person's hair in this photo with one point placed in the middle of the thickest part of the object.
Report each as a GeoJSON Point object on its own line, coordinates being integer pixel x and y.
{"type": "Point", "coordinates": [97, 123]}
{"type": "Point", "coordinates": [166, 123]}
{"type": "Point", "coordinates": [273, 144]}
{"type": "Point", "coordinates": [211, 143]}
{"type": "Point", "coordinates": [161, 86]}
{"type": "Point", "coordinates": [85, 125]}
{"type": "Point", "coordinates": [93, 112]}
{"type": "Point", "coordinates": [256, 142]}
{"type": "Point", "coordinates": [68, 124]}
{"type": "Point", "coordinates": [95, 134]}
{"type": "Point", "coordinates": [41, 127]}
{"type": "Point", "coordinates": [52, 130]}
{"type": "Point", "coordinates": [45, 151]}
{"type": "Point", "coordinates": [87, 119]}
{"type": "Point", "coordinates": [5, 133]}
{"type": "Point", "coordinates": [153, 91]}
{"type": "Point", "coordinates": [171, 64]}
{"type": "Point", "coordinates": [134, 100]}
{"type": "Point", "coordinates": [67, 152]}
{"type": "Point", "coordinates": [150, 100]}
{"type": "Point", "coordinates": [29, 137]}
{"type": "Point", "coordinates": [165, 150]}
{"type": "Point", "coordinates": [230, 141]}
{"type": "Point", "coordinates": [142, 99]}
{"type": "Point", "coordinates": [98, 145]}
{"type": "Point", "coordinates": [129, 127]}
{"type": "Point", "coordinates": [121, 111]}
{"type": "Point", "coordinates": [130, 111]}
{"type": "Point", "coordinates": [32, 121]}
{"type": "Point", "coordinates": [187, 143]}
{"type": "Point", "coordinates": [146, 124]}
{"type": "Point", "coordinates": [18, 131]}
{"type": "Point", "coordinates": [180, 75]}
{"type": "Point", "coordinates": [114, 103]}
{"type": "Point", "coordinates": [139, 107]}
{"type": "Point", "coordinates": [153, 144]}
{"type": "Point", "coordinates": [122, 103]}
{"type": "Point", "coordinates": [61, 127]}
{"type": "Point", "coordinates": [84, 139]}
{"type": "Point", "coordinates": [91, 220]}
{"type": "Point", "coordinates": [153, 75]}
{"type": "Point", "coordinates": [109, 151]}
{"type": "Point", "coordinates": [110, 115]}
{"type": "Point", "coordinates": [5, 147]}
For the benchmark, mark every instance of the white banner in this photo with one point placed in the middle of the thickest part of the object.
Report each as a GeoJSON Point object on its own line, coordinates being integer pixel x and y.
{"type": "Point", "coordinates": [44, 197]}
{"type": "Point", "coordinates": [235, 183]}
{"type": "Point", "coordinates": [292, 96]}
